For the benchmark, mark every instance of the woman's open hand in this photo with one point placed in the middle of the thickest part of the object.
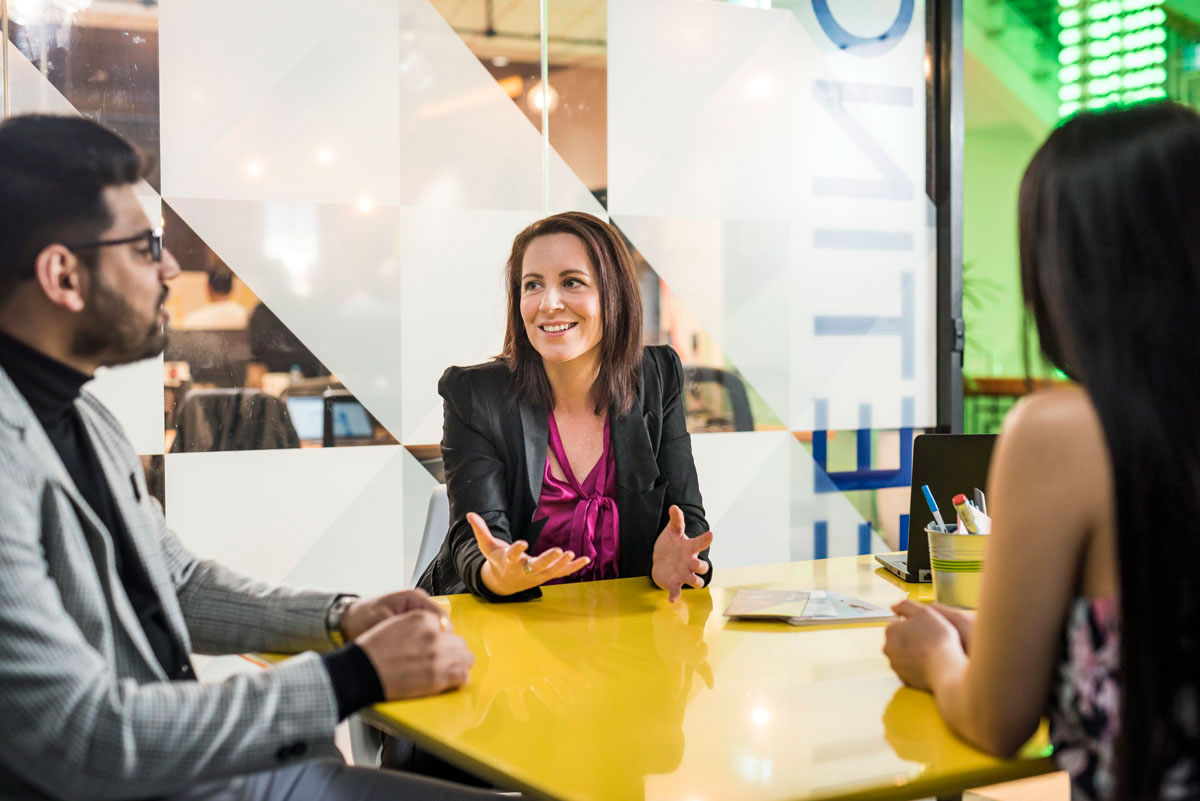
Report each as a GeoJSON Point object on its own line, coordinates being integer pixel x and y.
{"type": "Point", "coordinates": [510, 570]}
{"type": "Point", "coordinates": [676, 560]}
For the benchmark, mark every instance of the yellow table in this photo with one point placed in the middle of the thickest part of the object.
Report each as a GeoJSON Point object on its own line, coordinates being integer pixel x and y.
{"type": "Point", "coordinates": [605, 691]}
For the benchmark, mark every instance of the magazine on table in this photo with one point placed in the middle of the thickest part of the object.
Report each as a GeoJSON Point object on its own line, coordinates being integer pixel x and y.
{"type": "Point", "coordinates": [804, 607]}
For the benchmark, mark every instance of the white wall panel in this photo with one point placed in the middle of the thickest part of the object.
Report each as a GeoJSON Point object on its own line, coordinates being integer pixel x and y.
{"type": "Point", "coordinates": [453, 301]}
{"type": "Point", "coordinates": [264, 512]}
{"type": "Point", "coordinates": [291, 100]}
{"type": "Point", "coordinates": [745, 480]}
{"type": "Point", "coordinates": [134, 394]}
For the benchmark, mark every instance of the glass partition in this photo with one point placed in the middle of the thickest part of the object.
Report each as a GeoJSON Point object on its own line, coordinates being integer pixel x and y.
{"type": "Point", "coordinates": [342, 182]}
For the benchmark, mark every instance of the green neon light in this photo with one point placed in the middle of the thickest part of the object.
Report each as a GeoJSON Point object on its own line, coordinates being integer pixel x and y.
{"type": "Point", "coordinates": [1070, 74]}
{"type": "Point", "coordinates": [1070, 36]}
{"type": "Point", "coordinates": [1070, 18]}
{"type": "Point", "coordinates": [1110, 52]}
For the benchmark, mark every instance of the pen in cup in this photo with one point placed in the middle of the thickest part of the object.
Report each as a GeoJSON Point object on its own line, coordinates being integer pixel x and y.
{"type": "Point", "coordinates": [933, 507]}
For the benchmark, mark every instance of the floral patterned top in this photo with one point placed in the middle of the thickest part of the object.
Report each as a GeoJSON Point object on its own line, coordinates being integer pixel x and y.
{"type": "Point", "coordinates": [1085, 708]}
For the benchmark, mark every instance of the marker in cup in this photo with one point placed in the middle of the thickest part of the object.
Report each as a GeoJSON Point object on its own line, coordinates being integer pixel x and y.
{"type": "Point", "coordinates": [964, 513]}
{"type": "Point", "coordinates": [933, 507]}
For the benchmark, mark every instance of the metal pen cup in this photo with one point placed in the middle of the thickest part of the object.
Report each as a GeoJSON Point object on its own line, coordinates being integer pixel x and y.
{"type": "Point", "coordinates": [957, 564]}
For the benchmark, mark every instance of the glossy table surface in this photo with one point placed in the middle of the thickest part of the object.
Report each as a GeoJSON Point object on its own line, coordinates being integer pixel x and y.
{"type": "Point", "coordinates": [604, 690]}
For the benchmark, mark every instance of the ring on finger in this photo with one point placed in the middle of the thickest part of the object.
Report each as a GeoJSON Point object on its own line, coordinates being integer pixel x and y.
{"type": "Point", "coordinates": [526, 566]}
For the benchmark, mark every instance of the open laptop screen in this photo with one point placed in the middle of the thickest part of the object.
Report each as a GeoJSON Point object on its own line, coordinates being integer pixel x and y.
{"type": "Point", "coordinates": [350, 420]}
{"type": "Point", "coordinates": [308, 416]}
{"type": "Point", "coordinates": [949, 464]}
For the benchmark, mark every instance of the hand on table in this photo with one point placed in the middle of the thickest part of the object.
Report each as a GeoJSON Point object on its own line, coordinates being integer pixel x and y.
{"type": "Point", "coordinates": [509, 570]}
{"type": "Point", "coordinates": [963, 621]}
{"type": "Point", "coordinates": [367, 612]}
{"type": "Point", "coordinates": [920, 642]}
{"type": "Point", "coordinates": [415, 653]}
{"type": "Point", "coordinates": [676, 562]}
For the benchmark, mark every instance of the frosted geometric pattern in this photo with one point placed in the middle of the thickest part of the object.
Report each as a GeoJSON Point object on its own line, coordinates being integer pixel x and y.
{"type": "Point", "coordinates": [776, 181]}
{"type": "Point", "coordinates": [359, 170]}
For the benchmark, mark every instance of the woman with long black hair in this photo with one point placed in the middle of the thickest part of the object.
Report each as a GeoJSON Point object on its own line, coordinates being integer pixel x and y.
{"type": "Point", "coordinates": [1090, 605]}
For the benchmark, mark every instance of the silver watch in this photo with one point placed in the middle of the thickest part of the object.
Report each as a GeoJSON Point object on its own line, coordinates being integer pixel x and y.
{"type": "Point", "coordinates": [333, 618]}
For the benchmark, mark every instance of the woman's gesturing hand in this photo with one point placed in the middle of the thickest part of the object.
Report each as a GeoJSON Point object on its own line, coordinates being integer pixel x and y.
{"type": "Point", "coordinates": [510, 570]}
{"type": "Point", "coordinates": [676, 562]}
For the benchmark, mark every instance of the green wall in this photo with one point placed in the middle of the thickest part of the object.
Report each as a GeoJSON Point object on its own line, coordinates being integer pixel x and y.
{"type": "Point", "coordinates": [994, 159]}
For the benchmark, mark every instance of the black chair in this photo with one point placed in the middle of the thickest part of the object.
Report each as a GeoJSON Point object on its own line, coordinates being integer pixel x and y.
{"type": "Point", "coordinates": [232, 420]}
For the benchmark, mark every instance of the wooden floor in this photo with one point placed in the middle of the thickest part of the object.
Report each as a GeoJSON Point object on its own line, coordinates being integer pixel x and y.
{"type": "Point", "coordinates": [1051, 787]}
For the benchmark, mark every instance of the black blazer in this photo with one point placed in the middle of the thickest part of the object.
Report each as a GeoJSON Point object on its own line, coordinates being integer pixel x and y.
{"type": "Point", "coordinates": [495, 457]}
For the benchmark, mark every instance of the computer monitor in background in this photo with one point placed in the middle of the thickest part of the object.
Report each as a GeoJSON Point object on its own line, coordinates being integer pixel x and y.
{"type": "Point", "coordinates": [308, 416]}
{"type": "Point", "coordinates": [329, 417]}
{"type": "Point", "coordinates": [350, 420]}
{"type": "Point", "coordinates": [347, 421]}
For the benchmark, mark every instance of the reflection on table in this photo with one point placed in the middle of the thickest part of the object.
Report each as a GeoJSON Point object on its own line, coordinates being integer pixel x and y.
{"type": "Point", "coordinates": [604, 690]}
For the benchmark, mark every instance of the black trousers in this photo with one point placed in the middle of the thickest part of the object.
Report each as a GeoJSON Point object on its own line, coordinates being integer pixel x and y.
{"type": "Point", "coordinates": [331, 779]}
{"type": "Point", "coordinates": [398, 753]}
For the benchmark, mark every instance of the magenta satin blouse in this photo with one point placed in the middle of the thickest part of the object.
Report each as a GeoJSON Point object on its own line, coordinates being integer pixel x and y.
{"type": "Point", "coordinates": [582, 516]}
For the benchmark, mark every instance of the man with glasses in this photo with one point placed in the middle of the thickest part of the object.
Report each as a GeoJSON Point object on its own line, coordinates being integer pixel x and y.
{"type": "Point", "coordinates": [100, 605]}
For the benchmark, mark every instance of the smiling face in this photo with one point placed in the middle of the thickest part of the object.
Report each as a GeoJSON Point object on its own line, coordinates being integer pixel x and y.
{"type": "Point", "coordinates": [123, 319]}
{"type": "Point", "coordinates": [560, 299]}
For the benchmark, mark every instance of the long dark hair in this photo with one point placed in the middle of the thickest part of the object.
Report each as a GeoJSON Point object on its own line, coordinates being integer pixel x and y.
{"type": "Point", "coordinates": [1110, 267]}
{"type": "Point", "coordinates": [620, 307]}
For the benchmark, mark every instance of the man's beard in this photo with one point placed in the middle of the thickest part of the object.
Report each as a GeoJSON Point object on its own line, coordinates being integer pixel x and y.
{"type": "Point", "coordinates": [110, 332]}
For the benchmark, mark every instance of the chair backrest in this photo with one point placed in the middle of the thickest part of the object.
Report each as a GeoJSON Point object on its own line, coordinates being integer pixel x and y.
{"type": "Point", "coordinates": [437, 523]}
{"type": "Point", "coordinates": [741, 417]}
{"type": "Point", "coordinates": [232, 420]}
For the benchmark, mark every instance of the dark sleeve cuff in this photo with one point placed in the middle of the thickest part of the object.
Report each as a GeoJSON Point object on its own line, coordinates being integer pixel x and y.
{"type": "Point", "coordinates": [483, 592]}
{"type": "Point", "coordinates": [355, 682]}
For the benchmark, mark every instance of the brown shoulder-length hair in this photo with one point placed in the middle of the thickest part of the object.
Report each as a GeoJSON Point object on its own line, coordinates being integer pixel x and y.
{"type": "Point", "coordinates": [620, 310]}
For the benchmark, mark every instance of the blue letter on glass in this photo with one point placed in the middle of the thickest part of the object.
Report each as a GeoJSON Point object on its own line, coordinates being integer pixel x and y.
{"type": "Point", "coordinates": [863, 45]}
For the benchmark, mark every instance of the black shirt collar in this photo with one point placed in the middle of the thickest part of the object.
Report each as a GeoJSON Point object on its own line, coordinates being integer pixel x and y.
{"type": "Point", "coordinates": [49, 386]}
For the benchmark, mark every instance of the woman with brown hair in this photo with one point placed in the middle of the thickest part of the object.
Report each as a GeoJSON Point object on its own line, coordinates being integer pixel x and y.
{"type": "Point", "coordinates": [567, 457]}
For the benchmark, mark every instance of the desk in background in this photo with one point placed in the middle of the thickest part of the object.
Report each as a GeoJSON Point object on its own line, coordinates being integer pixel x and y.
{"type": "Point", "coordinates": [605, 691]}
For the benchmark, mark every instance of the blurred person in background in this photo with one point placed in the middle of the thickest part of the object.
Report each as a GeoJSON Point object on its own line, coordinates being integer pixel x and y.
{"type": "Point", "coordinates": [221, 312]}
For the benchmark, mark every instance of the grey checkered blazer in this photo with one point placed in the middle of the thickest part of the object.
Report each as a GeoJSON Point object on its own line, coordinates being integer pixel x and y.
{"type": "Point", "coordinates": [85, 709]}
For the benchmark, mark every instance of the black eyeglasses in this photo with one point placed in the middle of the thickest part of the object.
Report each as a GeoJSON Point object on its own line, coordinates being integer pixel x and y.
{"type": "Point", "coordinates": [153, 240]}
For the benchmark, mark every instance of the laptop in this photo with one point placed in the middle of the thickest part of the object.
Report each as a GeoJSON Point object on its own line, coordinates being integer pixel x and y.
{"type": "Point", "coordinates": [949, 464]}
{"type": "Point", "coordinates": [331, 418]}
{"type": "Point", "coordinates": [308, 416]}
{"type": "Point", "coordinates": [351, 422]}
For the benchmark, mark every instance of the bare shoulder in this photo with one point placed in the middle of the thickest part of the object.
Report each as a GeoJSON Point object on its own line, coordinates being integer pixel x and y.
{"type": "Point", "coordinates": [1063, 421]}
{"type": "Point", "coordinates": [1055, 439]}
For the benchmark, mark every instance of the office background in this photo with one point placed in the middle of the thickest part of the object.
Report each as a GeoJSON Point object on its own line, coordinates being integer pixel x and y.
{"type": "Point", "coordinates": [360, 168]}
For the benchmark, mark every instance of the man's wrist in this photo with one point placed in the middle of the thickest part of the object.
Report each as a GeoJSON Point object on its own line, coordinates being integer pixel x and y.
{"type": "Point", "coordinates": [334, 617]}
{"type": "Point", "coordinates": [355, 680]}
